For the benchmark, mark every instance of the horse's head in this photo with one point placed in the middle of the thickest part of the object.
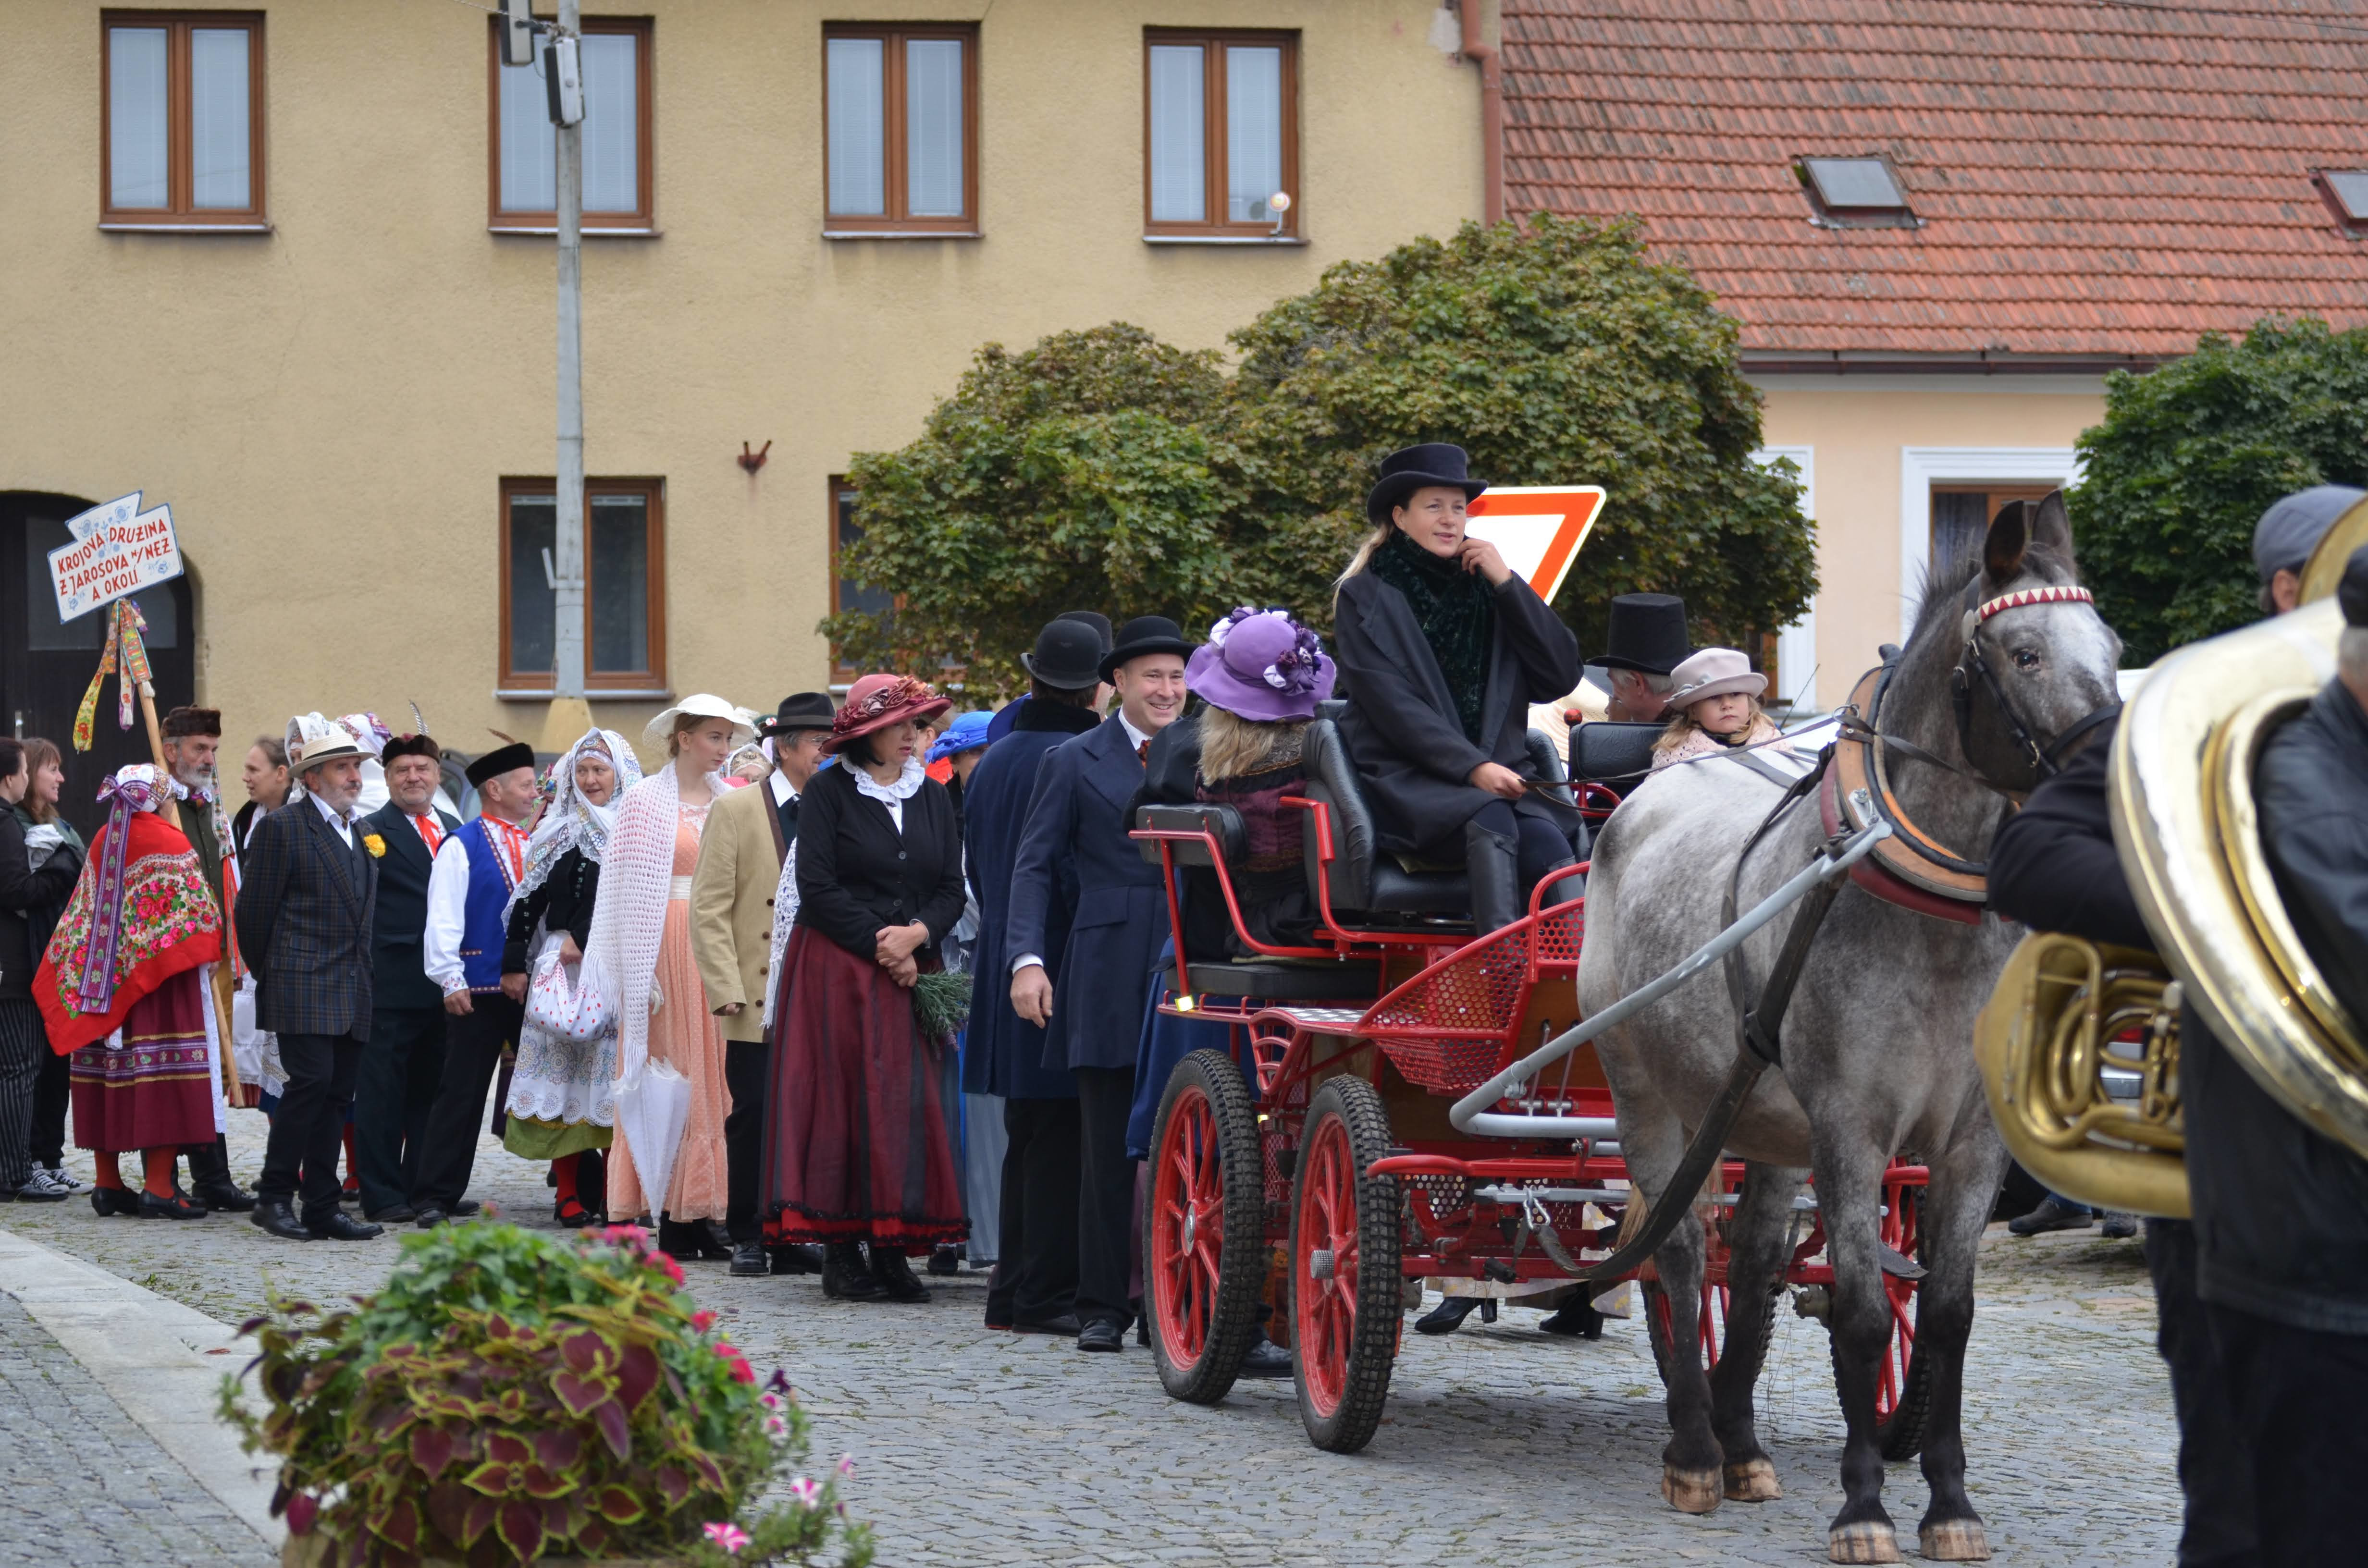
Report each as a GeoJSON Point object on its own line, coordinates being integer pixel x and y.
{"type": "Point", "coordinates": [2033, 669]}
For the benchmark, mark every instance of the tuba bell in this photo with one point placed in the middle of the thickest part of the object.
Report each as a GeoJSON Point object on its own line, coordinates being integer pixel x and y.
{"type": "Point", "coordinates": [2079, 1043]}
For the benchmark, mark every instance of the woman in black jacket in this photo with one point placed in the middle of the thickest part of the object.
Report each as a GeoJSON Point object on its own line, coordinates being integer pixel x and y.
{"type": "Point", "coordinates": [24, 1044]}
{"type": "Point", "coordinates": [860, 1141]}
{"type": "Point", "coordinates": [1444, 649]}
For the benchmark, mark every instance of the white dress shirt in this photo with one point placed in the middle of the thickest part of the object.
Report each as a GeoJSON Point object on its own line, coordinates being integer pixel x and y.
{"type": "Point", "coordinates": [447, 916]}
{"type": "Point", "coordinates": [344, 825]}
{"type": "Point", "coordinates": [783, 790]}
{"type": "Point", "coordinates": [1136, 740]}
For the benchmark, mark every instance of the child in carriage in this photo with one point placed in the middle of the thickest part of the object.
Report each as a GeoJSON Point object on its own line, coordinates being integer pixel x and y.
{"type": "Point", "coordinates": [1714, 708]}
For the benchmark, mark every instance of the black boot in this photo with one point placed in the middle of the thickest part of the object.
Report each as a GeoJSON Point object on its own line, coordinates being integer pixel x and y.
{"type": "Point", "coordinates": [1448, 1317]}
{"type": "Point", "coordinates": [895, 1276]}
{"type": "Point", "coordinates": [845, 1277]}
{"type": "Point", "coordinates": [210, 1179]}
{"type": "Point", "coordinates": [1493, 862]}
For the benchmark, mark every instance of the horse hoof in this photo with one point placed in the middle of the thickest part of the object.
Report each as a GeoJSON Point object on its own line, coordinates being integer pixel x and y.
{"type": "Point", "coordinates": [1691, 1491]}
{"type": "Point", "coordinates": [1954, 1540]}
{"type": "Point", "coordinates": [1862, 1543]}
{"type": "Point", "coordinates": [1753, 1481]}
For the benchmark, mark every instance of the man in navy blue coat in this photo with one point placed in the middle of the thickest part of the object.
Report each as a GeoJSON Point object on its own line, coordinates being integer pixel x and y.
{"type": "Point", "coordinates": [1094, 1001]}
{"type": "Point", "coordinates": [1034, 1287]}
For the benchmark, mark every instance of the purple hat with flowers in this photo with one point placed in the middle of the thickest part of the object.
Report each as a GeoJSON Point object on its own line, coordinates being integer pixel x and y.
{"type": "Point", "coordinates": [1262, 664]}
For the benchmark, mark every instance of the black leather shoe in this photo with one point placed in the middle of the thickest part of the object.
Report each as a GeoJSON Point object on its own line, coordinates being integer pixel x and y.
{"type": "Point", "coordinates": [428, 1216]}
{"type": "Point", "coordinates": [946, 1260]}
{"type": "Point", "coordinates": [748, 1257]}
{"type": "Point", "coordinates": [795, 1258]}
{"type": "Point", "coordinates": [343, 1227]}
{"type": "Point", "coordinates": [1574, 1320]}
{"type": "Point", "coordinates": [1448, 1317]}
{"type": "Point", "coordinates": [843, 1275]}
{"type": "Point", "coordinates": [1103, 1335]}
{"type": "Point", "coordinates": [174, 1208]}
{"type": "Point", "coordinates": [224, 1197]}
{"type": "Point", "coordinates": [400, 1214]}
{"type": "Point", "coordinates": [276, 1216]}
{"type": "Point", "coordinates": [1066, 1324]}
{"type": "Point", "coordinates": [1265, 1360]}
{"type": "Point", "coordinates": [893, 1274]}
{"type": "Point", "coordinates": [464, 1208]}
{"type": "Point", "coordinates": [2051, 1216]}
{"type": "Point", "coordinates": [109, 1202]}
{"type": "Point", "coordinates": [210, 1179]}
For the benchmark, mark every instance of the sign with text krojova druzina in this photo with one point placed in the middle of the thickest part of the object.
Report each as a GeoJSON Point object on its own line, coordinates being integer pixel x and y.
{"type": "Point", "coordinates": [117, 549]}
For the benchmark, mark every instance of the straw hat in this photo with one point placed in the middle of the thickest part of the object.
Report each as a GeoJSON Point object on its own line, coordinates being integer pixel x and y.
{"type": "Point", "coordinates": [703, 705]}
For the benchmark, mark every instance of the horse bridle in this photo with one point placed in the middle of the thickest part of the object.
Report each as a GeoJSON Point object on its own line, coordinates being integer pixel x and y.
{"type": "Point", "coordinates": [1971, 664]}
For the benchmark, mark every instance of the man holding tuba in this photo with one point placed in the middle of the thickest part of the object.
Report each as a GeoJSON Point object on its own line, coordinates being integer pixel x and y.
{"type": "Point", "coordinates": [2262, 1302]}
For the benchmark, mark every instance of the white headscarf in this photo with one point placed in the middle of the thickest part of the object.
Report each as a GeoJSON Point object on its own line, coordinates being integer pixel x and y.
{"type": "Point", "coordinates": [629, 918]}
{"type": "Point", "coordinates": [571, 821]}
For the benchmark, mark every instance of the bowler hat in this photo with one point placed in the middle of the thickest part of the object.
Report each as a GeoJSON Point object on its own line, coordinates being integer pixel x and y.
{"type": "Point", "coordinates": [1093, 618]}
{"type": "Point", "coordinates": [806, 711]}
{"type": "Point", "coordinates": [1147, 634]}
{"type": "Point", "coordinates": [1648, 632]}
{"type": "Point", "coordinates": [500, 760]}
{"type": "Point", "coordinates": [1067, 655]}
{"type": "Point", "coordinates": [1410, 469]}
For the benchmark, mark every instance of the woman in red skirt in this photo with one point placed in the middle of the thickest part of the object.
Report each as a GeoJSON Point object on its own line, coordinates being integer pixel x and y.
{"type": "Point", "coordinates": [859, 1151]}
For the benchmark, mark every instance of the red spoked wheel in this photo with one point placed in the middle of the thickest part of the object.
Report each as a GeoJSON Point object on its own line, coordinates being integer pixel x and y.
{"type": "Point", "coordinates": [1202, 1211]}
{"type": "Point", "coordinates": [1903, 1388]}
{"type": "Point", "coordinates": [1346, 1300]}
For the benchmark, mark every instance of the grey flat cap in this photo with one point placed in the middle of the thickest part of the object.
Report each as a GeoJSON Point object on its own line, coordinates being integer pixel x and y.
{"type": "Point", "coordinates": [2292, 528]}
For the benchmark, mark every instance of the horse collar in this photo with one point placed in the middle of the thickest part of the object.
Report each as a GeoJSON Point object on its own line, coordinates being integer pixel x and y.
{"type": "Point", "coordinates": [1911, 868]}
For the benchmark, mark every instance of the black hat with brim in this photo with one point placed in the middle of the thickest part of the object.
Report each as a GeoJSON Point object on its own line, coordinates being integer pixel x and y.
{"type": "Point", "coordinates": [1410, 469]}
{"type": "Point", "coordinates": [501, 760]}
{"type": "Point", "coordinates": [1147, 634]}
{"type": "Point", "coordinates": [806, 711]}
{"type": "Point", "coordinates": [1067, 655]}
{"type": "Point", "coordinates": [2351, 593]}
{"type": "Point", "coordinates": [1646, 633]}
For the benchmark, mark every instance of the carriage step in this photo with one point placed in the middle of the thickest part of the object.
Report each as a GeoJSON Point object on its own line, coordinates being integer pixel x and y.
{"type": "Point", "coordinates": [1516, 1194]}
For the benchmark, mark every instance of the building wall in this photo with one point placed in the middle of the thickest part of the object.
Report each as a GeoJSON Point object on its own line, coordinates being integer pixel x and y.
{"type": "Point", "coordinates": [328, 408]}
{"type": "Point", "coordinates": [1879, 443]}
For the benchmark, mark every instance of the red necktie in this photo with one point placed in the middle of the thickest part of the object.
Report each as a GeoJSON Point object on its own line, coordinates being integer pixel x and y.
{"type": "Point", "coordinates": [432, 835]}
{"type": "Point", "coordinates": [1143, 752]}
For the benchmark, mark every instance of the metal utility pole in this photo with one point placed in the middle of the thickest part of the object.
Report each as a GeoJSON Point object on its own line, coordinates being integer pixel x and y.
{"type": "Point", "coordinates": [568, 639]}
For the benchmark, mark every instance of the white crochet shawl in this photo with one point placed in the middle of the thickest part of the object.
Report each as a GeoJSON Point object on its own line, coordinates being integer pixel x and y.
{"type": "Point", "coordinates": [629, 917]}
{"type": "Point", "coordinates": [785, 896]}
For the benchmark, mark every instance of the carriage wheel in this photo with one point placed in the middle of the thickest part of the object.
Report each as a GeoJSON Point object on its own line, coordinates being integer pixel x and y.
{"type": "Point", "coordinates": [1346, 1300]}
{"type": "Point", "coordinates": [1903, 1388]}
{"type": "Point", "coordinates": [1203, 1207]}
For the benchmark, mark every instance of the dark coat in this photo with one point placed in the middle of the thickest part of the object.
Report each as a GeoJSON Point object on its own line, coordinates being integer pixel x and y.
{"type": "Point", "coordinates": [2053, 865]}
{"type": "Point", "coordinates": [857, 873]}
{"type": "Point", "coordinates": [305, 903]}
{"type": "Point", "coordinates": [561, 901]}
{"type": "Point", "coordinates": [23, 895]}
{"type": "Point", "coordinates": [1002, 1053]}
{"type": "Point", "coordinates": [1083, 791]}
{"type": "Point", "coordinates": [1401, 727]}
{"type": "Point", "coordinates": [399, 918]}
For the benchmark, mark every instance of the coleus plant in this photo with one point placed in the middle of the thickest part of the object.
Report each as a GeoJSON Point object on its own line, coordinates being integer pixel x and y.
{"type": "Point", "coordinates": [509, 1396]}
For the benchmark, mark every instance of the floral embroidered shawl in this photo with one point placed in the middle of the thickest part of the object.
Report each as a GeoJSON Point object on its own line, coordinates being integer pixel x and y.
{"type": "Point", "coordinates": [170, 924]}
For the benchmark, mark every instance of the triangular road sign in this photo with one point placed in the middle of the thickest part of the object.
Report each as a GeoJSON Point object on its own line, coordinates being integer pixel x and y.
{"type": "Point", "coordinates": [1537, 527]}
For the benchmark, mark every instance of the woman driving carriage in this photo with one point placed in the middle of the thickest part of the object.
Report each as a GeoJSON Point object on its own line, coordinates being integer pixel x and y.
{"type": "Point", "coordinates": [1444, 648]}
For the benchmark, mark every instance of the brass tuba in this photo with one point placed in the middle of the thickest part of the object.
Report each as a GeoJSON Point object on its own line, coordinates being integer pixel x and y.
{"type": "Point", "coordinates": [2070, 1022]}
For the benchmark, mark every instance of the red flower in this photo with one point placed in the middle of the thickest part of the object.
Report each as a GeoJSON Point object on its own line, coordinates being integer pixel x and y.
{"type": "Point", "coordinates": [702, 1320]}
{"type": "Point", "coordinates": [741, 1371]}
{"type": "Point", "coordinates": [672, 1269]}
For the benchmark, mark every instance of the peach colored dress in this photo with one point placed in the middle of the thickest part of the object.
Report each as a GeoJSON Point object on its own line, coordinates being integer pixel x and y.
{"type": "Point", "coordinates": [686, 1034]}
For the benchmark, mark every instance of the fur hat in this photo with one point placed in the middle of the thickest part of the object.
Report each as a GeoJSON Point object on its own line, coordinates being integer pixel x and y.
{"type": "Point", "coordinates": [500, 760]}
{"type": "Point", "coordinates": [411, 746]}
{"type": "Point", "coordinates": [193, 722]}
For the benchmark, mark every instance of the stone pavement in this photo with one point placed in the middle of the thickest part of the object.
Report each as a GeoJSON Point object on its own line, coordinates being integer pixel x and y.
{"type": "Point", "coordinates": [1502, 1445]}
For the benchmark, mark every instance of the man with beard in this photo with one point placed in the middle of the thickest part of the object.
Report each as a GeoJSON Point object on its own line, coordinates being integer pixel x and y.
{"type": "Point", "coordinates": [192, 739]}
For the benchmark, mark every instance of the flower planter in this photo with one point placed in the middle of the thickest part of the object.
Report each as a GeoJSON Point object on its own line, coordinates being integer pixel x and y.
{"type": "Point", "coordinates": [313, 1551]}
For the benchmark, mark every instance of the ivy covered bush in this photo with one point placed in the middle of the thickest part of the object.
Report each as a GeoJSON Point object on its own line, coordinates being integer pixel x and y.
{"type": "Point", "coordinates": [512, 1395]}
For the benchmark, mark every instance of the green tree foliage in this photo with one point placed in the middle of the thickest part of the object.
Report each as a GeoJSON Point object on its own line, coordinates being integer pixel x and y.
{"type": "Point", "coordinates": [2188, 459]}
{"type": "Point", "coordinates": [1103, 469]}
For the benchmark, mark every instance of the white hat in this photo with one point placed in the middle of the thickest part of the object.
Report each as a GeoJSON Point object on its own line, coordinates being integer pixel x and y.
{"type": "Point", "coordinates": [312, 740]}
{"type": "Point", "coordinates": [703, 705]}
{"type": "Point", "coordinates": [1714, 672]}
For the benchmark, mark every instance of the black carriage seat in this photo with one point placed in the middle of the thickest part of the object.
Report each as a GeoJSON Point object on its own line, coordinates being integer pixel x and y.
{"type": "Point", "coordinates": [1271, 980]}
{"type": "Point", "coordinates": [1604, 751]}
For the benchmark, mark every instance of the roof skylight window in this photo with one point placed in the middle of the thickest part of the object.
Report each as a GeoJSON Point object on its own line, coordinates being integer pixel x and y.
{"type": "Point", "coordinates": [2345, 191]}
{"type": "Point", "coordinates": [1856, 193]}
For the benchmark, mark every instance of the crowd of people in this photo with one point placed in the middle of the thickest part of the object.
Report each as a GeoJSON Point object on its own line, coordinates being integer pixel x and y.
{"type": "Point", "coordinates": [861, 982]}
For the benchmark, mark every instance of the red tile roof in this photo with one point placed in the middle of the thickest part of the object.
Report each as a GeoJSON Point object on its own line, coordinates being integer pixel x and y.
{"type": "Point", "coordinates": [2097, 178]}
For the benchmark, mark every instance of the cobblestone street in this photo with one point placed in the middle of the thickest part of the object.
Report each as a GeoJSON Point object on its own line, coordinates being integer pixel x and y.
{"type": "Point", "coordinates": [1502, 1445]}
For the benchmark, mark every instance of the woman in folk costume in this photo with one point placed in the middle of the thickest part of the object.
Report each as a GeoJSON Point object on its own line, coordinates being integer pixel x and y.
{"type": "Point", "coordinates": [122, 990]}
{"type": "Point", "coordinates": [563, 1094]}
{"type": "Point", "coordinates": [863, 1089]}
{"type": "Point", "coordinates": [641, 948]}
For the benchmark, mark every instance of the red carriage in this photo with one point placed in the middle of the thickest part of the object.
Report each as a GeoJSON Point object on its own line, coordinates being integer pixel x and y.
{"type": "Point", "coordinates": [1316, 1167]}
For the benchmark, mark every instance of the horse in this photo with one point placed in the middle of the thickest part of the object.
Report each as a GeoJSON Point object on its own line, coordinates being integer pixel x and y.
{"type": "Point", "coordinates": [1875, 1052]}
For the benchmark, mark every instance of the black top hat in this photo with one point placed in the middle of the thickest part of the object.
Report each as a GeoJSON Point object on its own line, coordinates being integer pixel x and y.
{"type": "Point", "coordinates": [806, 711]}
{"type": "Point", "coordinates": [1067, 655]}
{"type": "Point", "coordinates": [500, 760]}
{"type": "Point", "coordinates": [1409, 469]}
{"type": "Point", "coordinates": [1147, 634]}
{"type": "Point", "coordinates": [1648, 632]}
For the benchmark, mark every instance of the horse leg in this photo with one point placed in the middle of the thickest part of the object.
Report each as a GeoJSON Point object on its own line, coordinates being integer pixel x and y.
{"type": "Point", "coordinates": [1758, 1238]}
{"type": "Point", "coordinates": [1689, 1464]}
{"type": "Point", "coordinates": [1849, 1182]}
{"type": "Point", "coordinates": [1956, 1207]}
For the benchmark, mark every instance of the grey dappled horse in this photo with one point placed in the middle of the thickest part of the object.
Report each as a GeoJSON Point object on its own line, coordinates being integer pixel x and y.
{"type": "Point", "coordinates": [1877, 1049]}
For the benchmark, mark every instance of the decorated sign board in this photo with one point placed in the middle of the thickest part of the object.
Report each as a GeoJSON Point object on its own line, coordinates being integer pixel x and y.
{"type": "Point", "coordinates": [116, 550]}
{"type": "Point", "coordinates": [1538, 528]}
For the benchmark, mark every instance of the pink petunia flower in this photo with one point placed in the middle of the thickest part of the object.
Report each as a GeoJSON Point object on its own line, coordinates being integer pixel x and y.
{"type": "Point", "coordinates": [770, 1401]}
{"type": "Point", "coordinates": [806, 1492]}
{"type": "Point", "coordinates": [846, 1467]}
{"type": "Point", "coordinates": [776, 1427]}
{"type": "Point", "coordinates": [728, 1535]}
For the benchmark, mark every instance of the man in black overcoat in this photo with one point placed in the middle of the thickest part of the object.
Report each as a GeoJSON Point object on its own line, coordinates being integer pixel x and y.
{"type": "Point", "coordinates": [403, 1060]}
{"type": "Point", "coordinates": [304, 907]}
{"type": "Point", "coordinates": [1096, 1001]}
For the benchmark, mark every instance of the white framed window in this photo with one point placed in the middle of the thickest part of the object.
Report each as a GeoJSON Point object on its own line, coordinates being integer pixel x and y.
{"type": "Point", "coordinates": [1795, 685]}
{"type": "Point", "coordinates": [1924, 469]}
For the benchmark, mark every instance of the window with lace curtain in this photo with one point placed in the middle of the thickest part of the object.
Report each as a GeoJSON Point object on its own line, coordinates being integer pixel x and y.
{"type": "Point", "coordinates": [1220, 134]}
{"type": "Point", "coordinates": [900, 130]}
{"type": "Point", "coordinates": [617, 131]}
{"type": "Point", "coordinates": [181, 119]}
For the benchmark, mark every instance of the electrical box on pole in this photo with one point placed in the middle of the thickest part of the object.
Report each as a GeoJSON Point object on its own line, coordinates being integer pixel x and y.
{"type": "Point", "coordinates": [517, 33]}
{"type": "Point", "coordinates": [563, 79]}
